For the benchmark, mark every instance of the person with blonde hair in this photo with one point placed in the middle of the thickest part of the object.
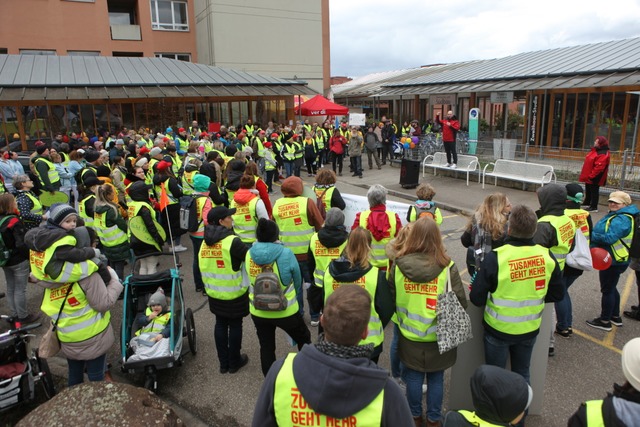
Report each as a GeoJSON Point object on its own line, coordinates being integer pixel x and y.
{"type": "Point", "coordinates": [421, 272]}
{"type": "Point", "coordinates": [111, 228]}
{"type": "Point", "coordinates": [325, 189]}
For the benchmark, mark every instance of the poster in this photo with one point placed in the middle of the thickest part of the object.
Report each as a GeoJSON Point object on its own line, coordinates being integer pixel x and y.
{"type": "Point", "coordinates": [357, 119]}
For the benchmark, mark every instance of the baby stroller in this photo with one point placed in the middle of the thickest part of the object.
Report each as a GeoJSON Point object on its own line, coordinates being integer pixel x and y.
{"type": "Point", "coordinates": [398, 149]}
{"type": "Point", "coordinates": [21, 369]}
{"type": "Point", "coordinates": [137, 290]}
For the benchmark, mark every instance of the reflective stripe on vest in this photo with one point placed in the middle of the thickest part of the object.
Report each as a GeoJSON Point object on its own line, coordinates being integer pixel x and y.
{"type": "Point", "coordinates": [82, 210]}
{"type": "Point", "coordinates": [299, 150]}
{"type": "Point", "coordinates": [475, 420]}
{"type": "Point", "coordinates": [516, 306]}
{"type": "Point", "coordinates": [323, 256]}
{"type": "Point", "coordinates": [378, 254]}
{"type": "Point", "coordinates": [579, 218]}
{"type": "Point", "coordinates": [291, 409]}
{"type": "Point", "coordinates": [260, 147]}
{"type": "Point", "coordinates": [290, 213]}
{"type": "Point", "coordinates": [245, 220]}
{"type": "Point", "coordinates": [565, 232]}
{"type": "Point", "coordinates": [78, 321]}
{"type": "Point", "coordinates": [594, 413]}
{"type": "Point", "coordinates": [252, 270]}
{"type": "Point", "coordinates": [156, 325]}
{"type": "Point", "coordinates": [109, 236]}
{"type": "Point", "coordinates": [416, 305]}
{"type": "Point", "coordinates": [290, 152]}
{"type": "Point", "coordinates": [620, 249]}
{"type": "Point", "coordinates": [52, 172]}
{"type": "Point", "coordinates": [220, 280]}
{"type": "Point", "coordinates": [69, 272]}
{"type": "Point", "coordinates": [368, 282]}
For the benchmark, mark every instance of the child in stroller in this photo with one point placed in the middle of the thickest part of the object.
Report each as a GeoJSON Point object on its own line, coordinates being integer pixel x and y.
{"type": "Point", "coordinates": [155, 326]}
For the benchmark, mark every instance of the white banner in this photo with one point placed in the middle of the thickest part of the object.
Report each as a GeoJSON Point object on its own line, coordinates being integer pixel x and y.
{"type": "Point", "coordinates": [357, 204]}
{"type": "Point", "coordinates": [356, 119]}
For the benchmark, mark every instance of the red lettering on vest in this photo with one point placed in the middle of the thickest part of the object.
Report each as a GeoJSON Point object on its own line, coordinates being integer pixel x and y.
{"type": "Point", "coordinates": [431, 303]}
{"type": "Point", "coordinates": [60, 292]}
{"type": "Point", "coordinates": [566, 232]}
{"type": "Point", "coordinates": [288, 210]}
{"type": "Point", "coordinates": [527, 268]}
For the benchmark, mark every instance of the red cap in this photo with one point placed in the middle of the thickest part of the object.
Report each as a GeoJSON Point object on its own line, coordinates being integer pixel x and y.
{"type": "Point", "coordinates": [267, 144]}
{"type": "Point", "coordinates": [65, 138]}
{"type": "Point", "coordinates": [144, 150]}
{"type": "Point", "coordinates": [262, 131]}
{"type": "Point", "coordinates": [165, 139]}
{"type": "Point", "coordinates": [203, 134]}
{"type": "Point", "coordinates": [274, 135]}
{"type": "Point", "coordinates": [181, 130]}
{"type": "Point", "coordinates": [39, 144]}
{"type": "Point", "coordinates": [163, 165]}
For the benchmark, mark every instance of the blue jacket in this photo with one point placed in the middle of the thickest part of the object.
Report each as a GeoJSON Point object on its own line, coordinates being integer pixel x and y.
{"type": "Point", "coordinates": [266, 253]}
{"type": "Point", "coordinates": [619, 227]}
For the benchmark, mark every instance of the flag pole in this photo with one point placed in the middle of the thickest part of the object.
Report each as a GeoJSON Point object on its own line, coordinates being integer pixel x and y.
{"type": "Point", "coordinates": [164, 198]}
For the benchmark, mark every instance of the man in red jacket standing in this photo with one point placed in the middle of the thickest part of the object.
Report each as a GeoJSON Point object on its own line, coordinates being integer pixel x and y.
{"type": "Point", "coordinates": [450, 127]}
{"type": "Point", "coordinates": [594, 172]}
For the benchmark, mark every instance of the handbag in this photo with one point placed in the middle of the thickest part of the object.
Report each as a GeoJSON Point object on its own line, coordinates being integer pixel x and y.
{"type": "Point", "coordinates": [50, 344]}
{"type": "Point", "coordinates": [580, 256]}
{"type": "Point", "coordinates": [454, 324]}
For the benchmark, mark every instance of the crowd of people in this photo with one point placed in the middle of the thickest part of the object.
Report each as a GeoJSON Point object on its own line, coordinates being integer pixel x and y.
{"type": "Point", "coordinates": [252, 257]}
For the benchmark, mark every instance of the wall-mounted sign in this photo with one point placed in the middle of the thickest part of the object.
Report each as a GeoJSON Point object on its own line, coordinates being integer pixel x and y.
{"type": "Point", "coordinates": [443, 99]}
{"type": "Point", "coordinates": [501, 97]}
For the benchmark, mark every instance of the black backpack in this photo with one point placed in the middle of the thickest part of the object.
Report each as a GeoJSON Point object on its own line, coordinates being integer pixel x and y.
{"type": "Point", "coordinates": [634, 249]}
{"type": "Point", "coordinates": [189, 213]}
{"type": "Point", "coordinates": [5, 252]}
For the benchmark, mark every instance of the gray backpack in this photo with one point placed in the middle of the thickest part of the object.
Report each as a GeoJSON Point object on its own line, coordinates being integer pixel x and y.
{"type": "Point", "coordinates": [268, 294]}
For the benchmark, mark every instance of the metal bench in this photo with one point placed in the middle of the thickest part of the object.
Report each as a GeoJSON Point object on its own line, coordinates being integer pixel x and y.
{"type": "Point", "coordinates": [534, 173]}
{"type": "Point", "coordinates": [465, 163]}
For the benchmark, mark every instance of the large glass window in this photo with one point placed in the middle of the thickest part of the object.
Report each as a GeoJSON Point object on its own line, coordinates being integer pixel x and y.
{"type": "Point", "coordinates": [169, 15]}
{"type": "Point", "coordinates": [179, 56]}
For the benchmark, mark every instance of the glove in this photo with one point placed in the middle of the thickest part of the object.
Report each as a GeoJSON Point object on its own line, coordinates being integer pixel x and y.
{"type": "Point", "coordinates": [97, 253]}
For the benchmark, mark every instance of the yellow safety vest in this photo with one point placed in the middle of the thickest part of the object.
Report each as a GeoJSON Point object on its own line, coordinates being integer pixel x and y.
{"type": "Point", "coordinates": [133, 208]}
{"type": "Point", "coordinates": [65, 159]}
{"type": "Point", "coordinates": [249, 129]}
{"type": "Point", "coordinates": [268, 165]}
{"type": "Point", "coordinates": [52, 173]}
{"type": "Point", "coordinates": [252, 270]}
{"type": "Point", "coordinates": [434, 210]}
{"type": "Point", "coordinates": [326, 198]}
{"type": "Point", "coordinates": [406, 130]}
{"type": "Point", "coordinates": [290, 408]}
{"type": "Point", "coordinates": [299, 150]}
{"type": "Point", "coordinates": [69, 272]}
{"type": "Point", "coordinates": [37, 206]}
{"type": "Point", "coordinates": [187, 182]}
{"type": "Point", "coordinates": [323, 256]}
{"type": "Point", "coordinates": [475, 420]}
{"type": "Point", "coordinates": [261, 148]}
{"type": "Point", "coordinates": [319, 141]}
{"type": "Point", "coordinates": [148, 143]}
{"type": "Point", "coordinates": [594, 413]}
{"type": "Point", "coordinates": [290, 152]}
{"type": "Point", "coordinates": [201, 200]}
{"type": "Point", "coordinates": [416, 305]}
{"type": "Point", "coordinates": [156, 325]}
{"type": "Point", "coordinates": [109, 236]}
{"type": "Point", "coordinates": [220, 280]}
{"type": "Point", "coordinates": [82, 210]}
{"type": "Point", "coordinates": [378, 254]}
{"type": "Point", "coordinates": [290, 213]}
{"type": "Point", "coordinates": [620, 249]}
{"type": "Point", "coordinates": [245, 220]}
{"type": "Point", "coordinates": [579, 218]}
{"type": "Point", "coordinates": [516, 306]}
{"type": "Point", "coordinates": [565, 232]}
{"type": "Point", "coordinates": [176, 164]}
{"type": "Point", "coordinates": [78, 321]}
{"type": "Point", "coordinates": [368, 282]}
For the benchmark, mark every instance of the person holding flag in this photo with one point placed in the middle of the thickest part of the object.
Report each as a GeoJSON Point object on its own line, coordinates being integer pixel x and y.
{"type": "Point", "coordinates": [168, 190]}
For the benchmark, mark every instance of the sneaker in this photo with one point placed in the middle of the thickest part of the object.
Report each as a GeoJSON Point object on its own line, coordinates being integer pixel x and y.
{"type": "Point", "coordinates": [552, 351]}
{"type": "Point", "coordinates": [570, 329]}
{"type": "Point", "coordinates": [448, 165]}
{"type": "Point", "coordinates": [454, 166]}
{"type": "Point", "coordinates": [244, 359]}
{"type": "Point", "coordinates": [340, 174]}
{"type": "Point", "coordinates": [633, 314]}
{"type": "Point", "coordinates": [592, 210]}
{"type": "Point", "coordinates": [309, 175]}
{"type": "Point", "coordinates": [598, 323]}
{"type": "Point", "coordinates": [314, 323]}
{"type": "Point", "coordinates": [180, 248]}
{"type": "Point", "coordinates": [565, 333]}
{"type": "Point", "coordinates": [616, 320]}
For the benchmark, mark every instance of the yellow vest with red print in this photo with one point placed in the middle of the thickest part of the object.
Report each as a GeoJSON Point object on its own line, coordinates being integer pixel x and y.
{"type": "Point", "coordinates": [156, 325]}
{"type": "Point", "coordinates": [245, 220]}
{"type": "Point", "coordinates": [82, 210]}
{"type": "Point", "coordinates": [69, 271]}
{"type": "Point", "coordinates": [220, 280]}
{"type": "Point", "coordinates": [290, 213]}
{"type": "Point", "coordinates": [565, 232]}
{"type": "Point", "coordinates": [579, 218]}
{"type": "Point", "coordinates": [109, 236]}
{"type": "Point", "coordinates": [368, 282]}
{"type": "Point", "coordinates": [378, 254]}
{"type": "Point", "coordinates": [78, 321]}
{"type": "Point", "coordinates": [187, 182]}
{"type": "Point", "coordinates": [516, 306]}
{"type": "Point", "coordinates": [252, 270]}
{"type": "Point", "coordinates": [323, 256]}
{"type": "Point", "coordinates": [416, 305]}
{"type": "Point", "coordinates": [326, 198]}
{"type": "Point", "coordinates": [291, 410]}
{"type": "Point", "coordinates": [201, 201]}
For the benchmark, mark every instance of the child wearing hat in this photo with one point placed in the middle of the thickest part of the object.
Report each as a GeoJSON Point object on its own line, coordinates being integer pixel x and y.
{"type": "Point", "coordinates": [155, 320]}
{"type": "Point", "coordinates": [201, 185]}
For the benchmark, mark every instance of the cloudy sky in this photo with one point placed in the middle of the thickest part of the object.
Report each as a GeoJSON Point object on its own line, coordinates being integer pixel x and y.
{"type": "Point", "coordinates": [369, 36]}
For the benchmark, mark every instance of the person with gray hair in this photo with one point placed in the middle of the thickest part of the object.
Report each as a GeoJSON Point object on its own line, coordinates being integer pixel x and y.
{"type": "Point", "coordinates": [29, 206]}
{"type": "Point", "coordinates": [384, 225]}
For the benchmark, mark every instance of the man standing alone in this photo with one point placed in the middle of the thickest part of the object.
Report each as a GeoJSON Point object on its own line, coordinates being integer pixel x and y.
{"type": "Point", "coordinates": [450, 128]}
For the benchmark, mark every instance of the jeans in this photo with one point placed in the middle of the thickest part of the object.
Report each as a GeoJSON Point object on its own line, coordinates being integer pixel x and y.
{"type": "Point", "coordinates": [497, 351]}
{"type": "Point", "coordinates": [336, 158]}
{"type": "Point", "coordinates": [16, 277]}
{"type": "Point", "coordinates": [564, 308]}
{"type": "Point", "coordinates": [95, 370]}
{"type": "Point", "coordinates": [293, 325]}
{"type": "Point", "coordinates": [306, 278]}
{"type": "Point", "coordinates": [228, 337]}
{"type": "Point", "coordinates": [356, 165]}
{"type": "Point", "coordinates": [435, 392]}
{"type": "Point", "coordinates": [197, 277]}
{"type": "Point", "coordinates": [450, 149]}
{"type": "Point", "coordinates": [387, 152]}
{"type": "Point", "coordinates": [396, 364]}
{"type": "Point", "coordinates": [269, 180]}
{"type": "Point", "coordinates": [288, 167]}
{"type": "Point", "coordinates": [610, 302]}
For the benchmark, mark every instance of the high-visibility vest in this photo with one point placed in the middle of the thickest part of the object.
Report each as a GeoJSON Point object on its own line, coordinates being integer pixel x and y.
{"type": "Point", "coordinates": [323, 256]}
{"type": "Point", "coordinates": [299, 150]}
{"type": "Point", "coordinates": [187, 182]}
{"type": "Point", "coordinates": [345, 133]}
{"type": "Point", "coordinates": [565, 232]}
{"type": "Point", "coordinates": [220, 280]}
{"type": "Point", "coordinates": [368, 282]}
{"type": "Point", "coordinates": [156, 325]}
{"type": "Point", "coordinates": [620, 248]}
{"type": "Point", "coordinates": [52, 172]}
{"type": "Point", "coordinates": [69, 271]}
{"type": "Point", "coordinates": [245, 220]}
{"type": "Point", "coordinates": [249, 129]}
{"type": "Point", "coordinates": [267, 164]}
{"type": "Point", "coordinates": [475, 420]}
{"type": "Point", "coordinates": [109, 236]}
{"type": "Point", "coordinates": [516, 306]}
{"type": "Point", "coordinates": [319, 141]}
{"type": "Point", "coordinates": [289, 152]}
{"type": "Point", "coordinates": [176, 164]}
{"type": "Point", "coordinates": [252, 270]}
{"type": "Point", "coordinates": [82, 210]}
{"type": "Point", "coordinates": [406, 130]}
{"type": "Point", "coordinates": [158, 190]}
{"type": "Point", "coordinates": [201, 200]}
{"type": "Point", "coordinates": [65, 159]}
{"type": "Point", "coordinates": [416, 305]}
{"type": "Point", "coordinates": [260, 144]}
{"type": "Point", "coordinates": [378, 254]}
{"type": "Point", "coordinates": [37, 206]}
{"type": "Point", "coordinates": [594, 413]}
{"type": "Point", "coordinates": [416, 213]}
{"type": "Point", "coordinates": [78, 320]}
{"type": "Point", "coordinates": [579, 218]}
{"type": "Point", "coordinates": [148, 143]}
{"type": "Point", "coordinates": [290, 408]}
{"type": "Point", "coordinates": [132, 210]}
{"type": "Point", "coordinates": [181, 144]}
{"type": "Point", "coordinates": [290, 213]}
{"type": "Point", "coordinates": [326, 198]}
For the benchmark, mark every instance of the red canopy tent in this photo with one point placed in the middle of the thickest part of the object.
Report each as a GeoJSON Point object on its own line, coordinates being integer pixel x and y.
{"type": "Point", "coordinates": [321, 106]}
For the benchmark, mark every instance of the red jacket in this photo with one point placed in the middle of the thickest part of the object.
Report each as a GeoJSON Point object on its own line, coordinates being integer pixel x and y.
{"type": "Point", "coordinates": [337, 143]}
{"type": "Point", "coordinates": [596, 166]}
{"type": "Point", "coordinates": [378, 223]}
{"type": "Point", "coordinates": [449, 130]}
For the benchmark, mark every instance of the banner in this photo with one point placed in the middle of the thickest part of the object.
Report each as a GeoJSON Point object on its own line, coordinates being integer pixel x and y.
{"type": "Point", "coordinates": [357, 204]}
{"type": "Point", "coordinates": [357, 119]}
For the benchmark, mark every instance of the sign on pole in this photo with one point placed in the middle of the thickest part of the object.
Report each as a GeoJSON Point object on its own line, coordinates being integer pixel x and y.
{"type": "Point", "coordinates": [357, 119]}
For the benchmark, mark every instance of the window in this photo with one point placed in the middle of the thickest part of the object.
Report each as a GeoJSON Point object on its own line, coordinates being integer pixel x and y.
{"type": "Point", "coordinates": [83, 53]}
{"type": "Point", "coordinates": [3, 51]}
{"type": "Point", "coordinates": [169, 15]}
{"type": "Point", "coordinates": [122, 12]}
{"type": "Point", "coordinates": [36, 52]}
{"type": "Point", "coordinates": [179, 56]}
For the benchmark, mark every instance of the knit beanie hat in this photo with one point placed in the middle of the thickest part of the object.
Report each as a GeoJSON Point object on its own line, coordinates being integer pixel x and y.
{"type": "Point", "coordinates": [631, 362]}
{"type": "Point", "coordinates": [60, 212]}
{"type": "Point", "coordinates": [103, 171]}
{"type": "Point", "coordinates": [158, 298]}
{"type": "Point", "coordinates": [575, 193]}
{"type": "Point", "coordinates": [499, 396]}
{"type": "Point", "coordinates": [335, 217]}
{"type": "Point", "coordinates": [201, 183]}
{"type": "Point", "coordinates": [267, 231]}
{"type": "Point", "coordinates": [91, 155]}
{"type": "Point", "coordinates": [41, 149]}
{"type": "Point", "coordinates": [155, 151]}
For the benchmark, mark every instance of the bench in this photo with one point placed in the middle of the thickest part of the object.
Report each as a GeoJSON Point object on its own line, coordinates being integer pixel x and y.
{"type": "Point", "coordinates": [465, 163]}
{"type": "Point", "coordinates": [534, 173]}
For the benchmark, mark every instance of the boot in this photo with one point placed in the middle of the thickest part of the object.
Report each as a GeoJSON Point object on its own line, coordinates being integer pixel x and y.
{"type": "Point", "coordinates": [418, 421]}
{"type": "Point", "coordinates": [433, 423]}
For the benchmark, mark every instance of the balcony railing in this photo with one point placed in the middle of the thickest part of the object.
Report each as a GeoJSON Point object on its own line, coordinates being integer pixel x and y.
{"type": "Point", "coordinates": [125, 32]}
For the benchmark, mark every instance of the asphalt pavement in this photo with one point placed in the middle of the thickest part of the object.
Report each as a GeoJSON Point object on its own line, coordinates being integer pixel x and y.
{"type": "Point", "coordinates": [585, 366]}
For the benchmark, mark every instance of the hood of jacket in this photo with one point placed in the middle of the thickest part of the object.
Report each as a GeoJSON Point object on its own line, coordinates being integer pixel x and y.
{"type": "Point", "coordinates": [233, 179]}
{"type": "Point", "coordinates": [214, 233]}
{"type": "Point", "coordinates": [159, 179]}
{"type": "Point", "coordinates": [244, 195]}
{"type": "Point", "coordinates": [102, 208]}
{"type": "Point", "coordinates": [553, 199]}
{"type": "Point", "coordinates": [139, 193]}
{"type": "Point", "coordinates": [497, 398]}
{"type": "Point", "coordinates": [332, 237]}
{"type": "Point", "coordinates": [346, 385]}
{"type": "Point", "coordinates": [265, 252]}
{"type": "Point", "coordinates": [419, 267]}
{"type": "Point", "coordinates": [342, 271]}
{"type": "Point", "coordinates": [40, 238]}
{"type": "Point", "coordinates": [292, 187]}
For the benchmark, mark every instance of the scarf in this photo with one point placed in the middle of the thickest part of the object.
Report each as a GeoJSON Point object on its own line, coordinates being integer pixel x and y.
{"type": "Point", "coordinates": [343, 351]}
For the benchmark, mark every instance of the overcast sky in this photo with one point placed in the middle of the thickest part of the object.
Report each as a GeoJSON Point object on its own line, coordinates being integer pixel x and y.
{"type": "Point", "coordinates": [369, 36]}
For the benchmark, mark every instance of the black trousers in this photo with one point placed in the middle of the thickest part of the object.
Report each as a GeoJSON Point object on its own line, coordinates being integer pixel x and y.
{"type": "Point", "coordinates": [592, 195]}
{"type": "Point", "coordinates": [228, 337]}
{"type": "Point", "coordinates": [450, 149]}
{"type": "Point", "coordinates": [293, 325]}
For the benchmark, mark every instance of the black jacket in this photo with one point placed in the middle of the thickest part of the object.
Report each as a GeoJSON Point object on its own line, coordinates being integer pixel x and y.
{"type": "Point", "coordinates": [13, 237]}
{"type": "Point", "coordinates": [330, 237]}
{"type": "Point", "coordinates": [625, 412]}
